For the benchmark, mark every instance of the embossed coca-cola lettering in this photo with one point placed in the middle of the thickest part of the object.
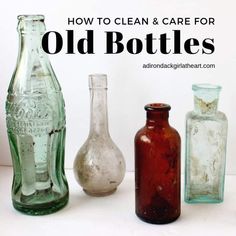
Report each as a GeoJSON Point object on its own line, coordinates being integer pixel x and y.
{"type": "Point", "coordinates": [31, 109]}
{"type": "Point", "coordinates": [30, 115]}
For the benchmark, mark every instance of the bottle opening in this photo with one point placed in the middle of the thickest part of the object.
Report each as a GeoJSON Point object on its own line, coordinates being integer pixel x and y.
{"type": "Point", "coordinates": [98, 81]}
{"type": "Point", "coordinates": [31, 24]}
{"type": "Point", "coordinates": [31, 17]}
{"type": "Point", "coordinates": [157, 107]}
{"type": "Point", "coordinates": [196, 87]}
{"type": "Point", "coordinates": [206, 92]}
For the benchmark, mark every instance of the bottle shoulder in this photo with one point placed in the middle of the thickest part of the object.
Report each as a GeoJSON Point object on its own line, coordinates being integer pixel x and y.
{"type": "Point", "coordinates": [141, 131]}
{"type": "Point", "coordinates": [175, 132]}
{"type": "Point", "coordinates": [146, 134]}
{"type": "Point", "coordinates": [97, 145]}
{"type": "Point", "coordinates": [33, 74]}
{"type": "Point", "coordinates": [218, 116]}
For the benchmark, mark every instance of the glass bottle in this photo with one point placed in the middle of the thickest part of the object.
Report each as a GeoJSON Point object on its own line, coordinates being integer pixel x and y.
{"type": "Point", "coordinates": [157, 167]}
{"type": "Point", "coordinates": [35, 119]}
{"type": "Point", "coordinates": [99, 166]}
{"type": "Point", "coordinates": [206, 134]}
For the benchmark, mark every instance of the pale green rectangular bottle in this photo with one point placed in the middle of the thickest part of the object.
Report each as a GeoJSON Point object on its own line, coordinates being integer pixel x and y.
{"type": "Point", "coordinates": [35, 118]}
{"type": "Point", "coordinates": [206, 137]}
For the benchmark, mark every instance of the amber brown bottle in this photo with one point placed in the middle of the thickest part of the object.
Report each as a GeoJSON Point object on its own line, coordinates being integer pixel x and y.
{"type": "Point", "coordinates": [157, 167]}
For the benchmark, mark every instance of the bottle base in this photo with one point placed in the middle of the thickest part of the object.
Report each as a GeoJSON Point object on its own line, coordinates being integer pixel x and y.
{"type": "Point", "coordinates": [43, 208]}
{"type": "Point", "coordinates": [158, 221]}
{"type": "Point", "coordinates": [99, 194]}
{"type": "Point", "coordinates": [203, 199]}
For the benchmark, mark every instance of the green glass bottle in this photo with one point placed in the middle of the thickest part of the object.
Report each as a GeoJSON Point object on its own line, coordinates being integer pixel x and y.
{"type": "Point", "coordinates": [206, 142]}
{"type": "Point", "coordinates": [35, 118]}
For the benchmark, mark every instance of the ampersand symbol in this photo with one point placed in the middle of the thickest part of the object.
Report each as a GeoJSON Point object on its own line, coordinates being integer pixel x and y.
{"type": "Point", "coordinates": [155, 21]}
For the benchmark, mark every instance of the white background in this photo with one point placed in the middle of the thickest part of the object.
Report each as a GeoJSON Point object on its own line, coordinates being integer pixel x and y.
{"type": "Point", "coordinates": [130, 86]}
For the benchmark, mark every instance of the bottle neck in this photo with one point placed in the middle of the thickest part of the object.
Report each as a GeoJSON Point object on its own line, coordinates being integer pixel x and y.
{"type": "Point", "coordinates": [30, 43]}
{"type": "Point", "coordinates": [157, 119]}
{"type": "Point", "coordinates": [206, 98]}
{"type": "Point", "coordinates": [31, 29]}
{"type": "Point", "coordinates": [204, 107]}
{"type": "Point", "coordinates": [30, 46]}
{"type": "Point", "coordinates": [99, 117]}
{"type": "Point", "coordinates": [33, 73]}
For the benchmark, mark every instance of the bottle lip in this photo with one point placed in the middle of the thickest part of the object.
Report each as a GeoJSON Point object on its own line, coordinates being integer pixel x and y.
{"type": "Point", "coordinates": [31, 17]}
{"type": "Point", "coordinates": [157, 107]}
{"type": "Point", "coordinates": [97, 81]}
{"type": "Point", "coordinates": [210, 87]}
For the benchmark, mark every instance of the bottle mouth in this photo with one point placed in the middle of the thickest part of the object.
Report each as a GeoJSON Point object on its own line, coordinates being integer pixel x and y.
{"type": "Point", "coordinates": [196, 87]}
{"type": "Point", "coordinates": [31, 17]}
{"type": "Point", "coordinates": [31, 24]}
{"type": "Point", "coordinates": [98, 81]}
{"type": "Point", "coordinates": [206, 92]}
{"type": "Point", "coordinates": [157, 107]}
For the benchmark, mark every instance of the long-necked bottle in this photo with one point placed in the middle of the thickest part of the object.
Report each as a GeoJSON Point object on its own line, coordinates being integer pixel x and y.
{"type": "Point", "coordinates": [35, 118]}
{"type": "Point", "coordinates": [206, 135]}
{"type": "Point", "coordinates": [157, 167]}
{"type": "Point", "coordinates": [99, 166]}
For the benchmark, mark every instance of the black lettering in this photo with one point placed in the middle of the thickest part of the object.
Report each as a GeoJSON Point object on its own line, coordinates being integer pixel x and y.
{"type": "Point", "coordinates": [130, 46]}
{"type": "Point", "coordinates": [70, 42]}
{"type": "Point", "coordinates": [190, 43]}
{"type": "Point", "coordinates": [177, 42]}
{"type": "Point", "coordinates": [208, 45]}
{"type": "Point", "coordinates": [88, 21]}
{"type": "Point", "coordinates": [111, 41]}
{"type": "Point", "coordinates": [45, 42]}
{"type": "Point", "coordinates": [89, 41]}
{"type": "Point", "coordinates": [163, 44]}
{"type": "Point", "coordinates": [149, 44]}
{"type": "Point", "coordinates": [71, 21]}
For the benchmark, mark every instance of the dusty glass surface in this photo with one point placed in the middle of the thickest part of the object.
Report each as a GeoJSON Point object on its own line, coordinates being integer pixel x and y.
{"type": "Point", "coordinates": [35, 118]}
{"type": "Point", "coordinates": [206, 135]}
{"type": "Point", "coordinates": [99, 166]}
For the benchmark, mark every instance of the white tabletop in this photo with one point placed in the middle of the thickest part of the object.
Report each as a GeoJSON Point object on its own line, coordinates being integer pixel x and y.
{"type": "Point", "coordinates": [114, 215]}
